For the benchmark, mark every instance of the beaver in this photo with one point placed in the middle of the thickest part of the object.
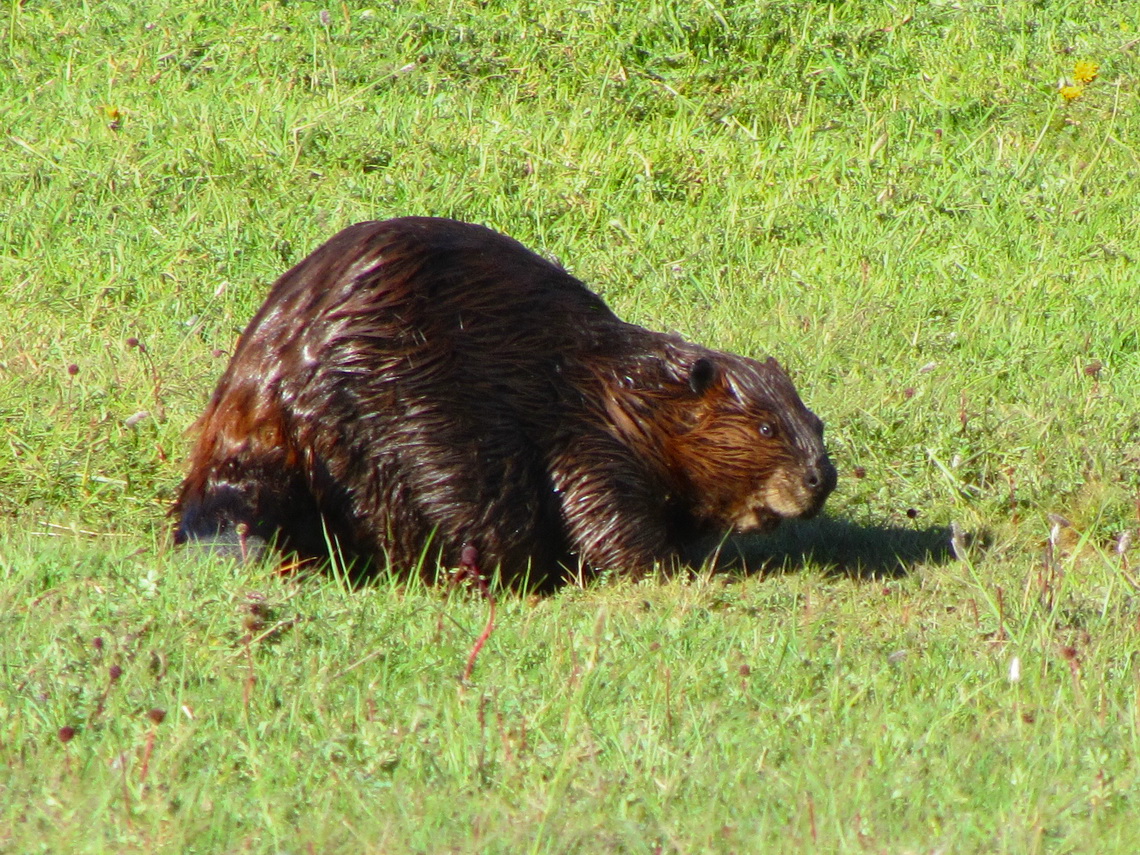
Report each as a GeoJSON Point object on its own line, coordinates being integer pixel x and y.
{"type": "Point", "coordinates": [420, 385]}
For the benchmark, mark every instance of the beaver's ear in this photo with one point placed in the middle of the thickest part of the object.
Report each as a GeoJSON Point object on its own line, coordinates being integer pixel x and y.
{"type": "Point", "coordinates": [702, 375]}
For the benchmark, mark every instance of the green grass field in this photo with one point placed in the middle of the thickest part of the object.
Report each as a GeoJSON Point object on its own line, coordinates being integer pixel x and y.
{"type": "Point", "coordinates": [897, 200]}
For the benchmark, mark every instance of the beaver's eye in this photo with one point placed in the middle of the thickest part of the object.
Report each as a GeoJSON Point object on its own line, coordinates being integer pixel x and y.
{"type": "Point", "coordinates": [767, 430]}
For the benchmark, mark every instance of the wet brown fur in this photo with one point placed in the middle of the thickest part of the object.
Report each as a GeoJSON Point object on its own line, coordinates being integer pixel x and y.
{"type": "Point", "coordinates": [419, 384]}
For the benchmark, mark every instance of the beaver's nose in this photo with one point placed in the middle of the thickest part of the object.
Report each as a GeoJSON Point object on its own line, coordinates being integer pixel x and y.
{"type": "Point", "coordinates": [821, 476]}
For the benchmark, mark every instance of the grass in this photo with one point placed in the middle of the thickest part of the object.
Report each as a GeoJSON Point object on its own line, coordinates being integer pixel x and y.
{"type": "Point", "coordinates": [893, 199]}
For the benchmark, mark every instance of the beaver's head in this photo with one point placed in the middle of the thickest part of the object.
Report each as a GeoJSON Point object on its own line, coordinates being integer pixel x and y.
{"type": "Point", "coordinates": [747, 448]}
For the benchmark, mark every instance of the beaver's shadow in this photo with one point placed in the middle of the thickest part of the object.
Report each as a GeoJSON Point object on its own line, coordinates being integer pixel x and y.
{"type": "Point", "coordinates": [841, 548]}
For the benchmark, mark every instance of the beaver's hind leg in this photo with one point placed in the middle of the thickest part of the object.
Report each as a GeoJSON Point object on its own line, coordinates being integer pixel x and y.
{"type": "Point", "coordinates": [240, 505]}
{"type": "Point", "coordinates": [247, 486]}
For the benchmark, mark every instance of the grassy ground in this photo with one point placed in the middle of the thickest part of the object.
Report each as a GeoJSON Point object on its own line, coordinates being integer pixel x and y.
{"type": "Point", "coordinates": [896, 200]}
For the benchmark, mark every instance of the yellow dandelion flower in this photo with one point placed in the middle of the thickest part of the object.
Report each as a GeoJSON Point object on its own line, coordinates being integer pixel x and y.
{"type": "Point", "coordinates": [1071, 92]}
{"type": "Point", "coordinates": [1085, 71]}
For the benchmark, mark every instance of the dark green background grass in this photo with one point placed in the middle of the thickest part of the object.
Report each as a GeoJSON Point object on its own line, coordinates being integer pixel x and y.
{"type": "Point", "coordinates": [892, 199]}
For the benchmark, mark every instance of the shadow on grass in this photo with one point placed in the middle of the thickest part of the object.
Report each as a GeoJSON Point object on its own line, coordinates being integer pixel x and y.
{"type": "Point", "coordinates": [842, 548]}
